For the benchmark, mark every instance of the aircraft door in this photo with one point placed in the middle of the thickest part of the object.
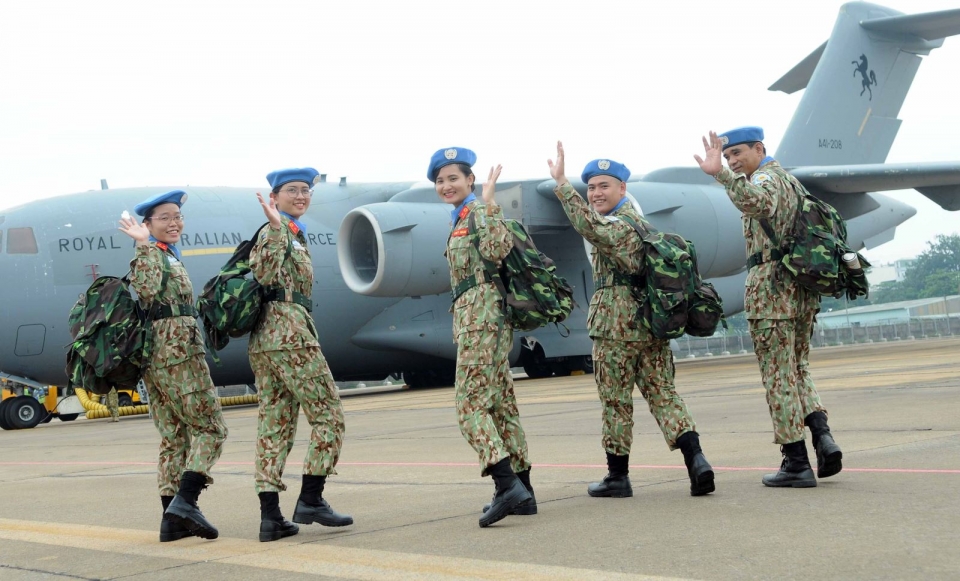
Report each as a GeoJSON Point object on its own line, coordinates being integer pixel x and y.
{"type": "Point", "coordinates": [30, 339]}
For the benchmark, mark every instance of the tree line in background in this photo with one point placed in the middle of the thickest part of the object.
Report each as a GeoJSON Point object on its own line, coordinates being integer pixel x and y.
{"type": "Point", "coordinates": [934, 273]}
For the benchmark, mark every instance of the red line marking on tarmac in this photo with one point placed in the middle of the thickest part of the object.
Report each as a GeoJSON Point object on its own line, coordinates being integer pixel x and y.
{"type": "Point", "coordinates": [473, 464]}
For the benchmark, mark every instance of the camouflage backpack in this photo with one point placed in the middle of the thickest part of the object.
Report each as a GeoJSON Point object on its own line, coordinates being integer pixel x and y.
{"type": "Point", "coordinates": [813, 249]}
{"type": "Point", "coordinates": [110, 339]}
{"type": "Point", "coordinates": [230, 302]}
{"type": "Point", "coordinates": [534, 295]}
{"type": "Point", "coordinates": [676, 300]}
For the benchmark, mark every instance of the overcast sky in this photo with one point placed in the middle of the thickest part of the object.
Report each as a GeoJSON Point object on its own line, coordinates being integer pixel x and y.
{"type": "Point", "coordinates": [221, 93]}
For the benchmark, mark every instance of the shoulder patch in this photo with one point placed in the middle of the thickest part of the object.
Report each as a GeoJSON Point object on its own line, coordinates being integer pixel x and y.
{"type": "Point", "coordinates": [759, 177]}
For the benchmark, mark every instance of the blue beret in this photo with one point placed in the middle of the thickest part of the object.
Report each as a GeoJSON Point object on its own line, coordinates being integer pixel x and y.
{"type": "Point", "coordinates": [605, 167]}
{"type": "Point", "coordinates": [307, 175]}
{"type": "Point", "coordinates": [741, 135]}
{"type": "Point", "coordinates": [449, 155]}
{"type": "Point", "coordinates": [178, 197]}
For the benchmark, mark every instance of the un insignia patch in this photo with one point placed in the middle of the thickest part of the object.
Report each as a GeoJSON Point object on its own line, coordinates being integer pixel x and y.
{"type": "Point", "coordinates": [603, 164]}
{"type": "Point", "coordinates": [759, 177]}
{"type": "Point", "coordinates": [724, 140]}
{"type": "Point", "coordinates": [316, 179]}
{"type": "Point", "coordinates": [450, 153]}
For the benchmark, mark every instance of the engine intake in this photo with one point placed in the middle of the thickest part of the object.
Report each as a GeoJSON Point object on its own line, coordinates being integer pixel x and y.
{"type": "Point", "coordinates": [395, 249]}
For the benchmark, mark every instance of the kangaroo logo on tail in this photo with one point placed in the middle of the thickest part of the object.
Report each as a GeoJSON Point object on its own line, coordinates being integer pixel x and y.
{"type": "Point", "coordinates": [867, 80]}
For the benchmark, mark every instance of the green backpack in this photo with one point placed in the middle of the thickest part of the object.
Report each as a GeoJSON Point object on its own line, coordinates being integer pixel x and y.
{"type": "Point", "coordinates": [676, 300]}
{"type": "Point", "coordinates": [813, 249]}
{"type": "Point", "coordinates": [534, 295]}
{"type": "Point", "coordinates": [230, 302]}
{"type": "Point", "coordinates": [110, 337]}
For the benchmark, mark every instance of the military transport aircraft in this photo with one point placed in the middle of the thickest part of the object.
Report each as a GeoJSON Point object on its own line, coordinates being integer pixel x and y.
{"type": "Point", "coordinates": [381, 295]}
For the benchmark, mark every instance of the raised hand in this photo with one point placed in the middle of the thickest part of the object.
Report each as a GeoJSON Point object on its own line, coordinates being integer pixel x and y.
{"type": "Point", "coordinates": [134, 229]}
{"type": "Point", "coordinates": [557, 169]}
{"type": "Point", "coordinates": [490, 186]}
{"type": "Point", "coordinates": [713, 151]}
{"type": "Point", "coordinates": [271, 212]}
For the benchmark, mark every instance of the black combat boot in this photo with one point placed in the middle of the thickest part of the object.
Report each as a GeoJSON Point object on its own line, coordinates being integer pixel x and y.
{"type": "Point", "coordinates": [524, 508]}
{"type": "Point", "coordinates": [312, 508]}
{"type": "Point", "coordinates": [829, 455]}
{"type": "Point", "coordinates": [795, 471]}
{"type": "Point", "coordinates": [616, 483]}
{"type": "Point", "coordinates": [510, 493]}
{"type": "Point", "coordinates": [184, 509]}
{"type": "Point", "coordinates": [171, 530]}
{"type": "Point", "coordinates": [272, 524]}
{"type": "Point", "coordinates": [698, 469]}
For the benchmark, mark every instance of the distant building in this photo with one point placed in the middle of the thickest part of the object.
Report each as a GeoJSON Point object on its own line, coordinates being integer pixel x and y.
{"type": "Point", "coordinates": [894, 271]}
{"type": "Point", "coordinates": [898, 312]}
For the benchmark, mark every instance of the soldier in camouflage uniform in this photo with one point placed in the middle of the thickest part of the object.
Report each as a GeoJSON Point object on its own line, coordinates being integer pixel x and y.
{"type": "Point", "coordinates": [183, 399]}
{"type": "Point", "coordinates": [113, 405]}
{"type": "Point", "coordinates": [486, 405]}
{"type": "Point", "coordinates": [624, 351]}
{"type": "Point", "coordinates": [780, 312]}
{"type": "Point", "coordinates": [291, 371]}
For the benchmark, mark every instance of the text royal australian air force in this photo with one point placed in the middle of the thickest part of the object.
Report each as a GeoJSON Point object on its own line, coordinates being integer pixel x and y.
{"type": "Point", "coordinates": [204, 239]}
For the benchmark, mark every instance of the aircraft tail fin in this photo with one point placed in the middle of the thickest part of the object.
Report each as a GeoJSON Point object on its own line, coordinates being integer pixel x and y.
{"type": "Point", "coordinates": [856, 83]}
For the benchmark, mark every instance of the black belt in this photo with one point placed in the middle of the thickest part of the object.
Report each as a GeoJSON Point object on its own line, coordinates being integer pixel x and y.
{"type": "Point", "coordinates": [281, 295]}
{"type": "Point", "coordinates": [617, 279]}
{"type": "Point", "coordinates": [757, 259]}
{"type": "Point", "coordinates": [167, 311]}
{"type": "Point", "coordinates": [463, 286]}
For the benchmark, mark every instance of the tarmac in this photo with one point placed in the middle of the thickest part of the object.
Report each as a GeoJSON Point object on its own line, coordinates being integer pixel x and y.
{"type": "Point", "coordinates": [79, 499]}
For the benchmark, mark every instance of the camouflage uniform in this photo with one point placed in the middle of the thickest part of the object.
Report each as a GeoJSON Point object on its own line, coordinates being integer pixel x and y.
{"type": "Point", "coordinates": [780, 312]}
{"type": "Point", "coordinates": [113, 404]}
{"type": "Point", "coordinates": [624, 351]}
{"type": "Point", "coordinates": [486, 405]}
{"type": "Point", "coordinates": [183, 399]}
{"type": "Point", "coordinates": [290, 369]}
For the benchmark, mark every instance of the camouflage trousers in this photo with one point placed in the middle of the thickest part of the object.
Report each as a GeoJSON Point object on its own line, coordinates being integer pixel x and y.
{"type": "Point", "coordinates": [113, 403]}
{"type": "Point", "coordinates": [782, 347]}
{"type": "Point", "coordinates": [287, 381]}
{"type": "Point", "coordinates": [618, 365]}
{"type": "Point", "coordinates": [486, 405]}
{"type": "Point", "coordinates": [186, 412]}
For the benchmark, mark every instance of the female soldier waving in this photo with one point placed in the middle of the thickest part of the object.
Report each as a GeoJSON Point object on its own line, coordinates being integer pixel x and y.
{"type": "Point", "coordinates": [183, 399]}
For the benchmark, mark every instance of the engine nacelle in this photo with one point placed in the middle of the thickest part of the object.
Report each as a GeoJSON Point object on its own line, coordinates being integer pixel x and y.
{"type": "Point", "coordinates": [395, 249]}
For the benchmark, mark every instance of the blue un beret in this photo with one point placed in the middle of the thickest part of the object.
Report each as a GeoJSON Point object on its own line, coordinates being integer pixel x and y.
{"type": "Point", "coordinates": [449, 155]}
{"type": "Point", "coordinates": [605, 167]}
{"type": "Point", "coordinates": [741, 135]}
{"type": "Point", "coordinates": [178, 197]}
{"type": "Point", "coordinates": [280, 177]}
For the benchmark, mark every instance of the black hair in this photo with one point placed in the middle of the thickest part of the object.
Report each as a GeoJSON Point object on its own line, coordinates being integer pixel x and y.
{"type": "Point", "coordinates": [464, 169]}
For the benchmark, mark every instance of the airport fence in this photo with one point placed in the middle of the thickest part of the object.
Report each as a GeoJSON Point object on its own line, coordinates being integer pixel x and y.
{"type": "Point", "coordinates": [733, 341]}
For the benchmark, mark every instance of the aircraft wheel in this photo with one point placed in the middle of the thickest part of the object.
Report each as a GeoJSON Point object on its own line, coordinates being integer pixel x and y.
{"type": "Point", "coordinates": [25, 412]}
{"type": "Point", "coordinates": [68, 417]}
{"type": "Point", "coordinates": [3, 414]}
{"type": "Point", "coordinates": [538, 370]}
{"type": "Point", "coordinates": [124, 401]}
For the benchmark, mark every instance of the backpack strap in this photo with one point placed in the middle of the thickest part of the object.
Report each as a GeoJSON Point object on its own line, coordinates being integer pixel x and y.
{"type": "Point", "coordinates": [492, 275]}
{"type": "Point", "coordinates": [276, 294]}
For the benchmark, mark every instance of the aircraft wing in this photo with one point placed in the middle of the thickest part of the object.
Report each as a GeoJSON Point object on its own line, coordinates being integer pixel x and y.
{"type": "Point", "coordinates": [939, 181]}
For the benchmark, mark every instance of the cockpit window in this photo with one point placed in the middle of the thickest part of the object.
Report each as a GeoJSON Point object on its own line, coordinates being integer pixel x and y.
{"type": "Point", "coordinates": [21, 241]}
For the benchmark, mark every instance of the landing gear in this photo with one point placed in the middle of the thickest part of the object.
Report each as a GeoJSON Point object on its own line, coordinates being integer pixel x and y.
{"type": "Point", "coordinates": [538, 366]}
{"type": "Point", "coordinates": [124, 400]}
{"type": "Point", "coordinates": [443, 377]}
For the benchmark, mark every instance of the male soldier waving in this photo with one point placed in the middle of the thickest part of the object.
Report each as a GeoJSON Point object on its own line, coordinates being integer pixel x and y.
{"type": "Point", "coordinates": [624, 350]}
{"type": "Point", "coordinates": [780, 312]}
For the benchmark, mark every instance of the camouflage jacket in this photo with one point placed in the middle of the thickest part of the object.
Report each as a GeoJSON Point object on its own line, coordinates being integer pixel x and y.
{"type": "Point", "coordinates": [616, 248]}
{"type": "Point", "coordinates": [479, 308]}
{"type": "Point", "coordinates": [173, 339]}
{"type": "Point", "coordinates": [283, 325]}
{"type": "Point", "coordinates": [770, 292]}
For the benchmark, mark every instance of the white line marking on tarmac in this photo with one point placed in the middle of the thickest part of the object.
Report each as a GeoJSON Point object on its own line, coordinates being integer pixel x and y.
{"type": "Point", "coordinates": [310, 558]}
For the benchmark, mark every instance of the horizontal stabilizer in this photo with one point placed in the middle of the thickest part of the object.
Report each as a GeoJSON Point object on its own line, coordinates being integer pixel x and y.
{"type": "Point", "coordinates": [939, 181]}
{"type": "Point", "coordinates": [799, 76]}
{"type": "Point", "coordinates": [928, 26]}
